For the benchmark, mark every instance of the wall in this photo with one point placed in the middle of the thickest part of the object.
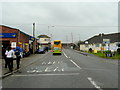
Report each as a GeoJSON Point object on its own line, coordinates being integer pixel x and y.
{"type": "Point", "coordinates": [93, 46]}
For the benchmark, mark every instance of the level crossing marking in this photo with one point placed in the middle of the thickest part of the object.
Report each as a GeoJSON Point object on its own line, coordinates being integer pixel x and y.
{"type": "Point", "coordinates": [46, 70]}
{"type": "Point", "coordinates": [94, 83]}
{"type": "Point", "coordinates": [44, 74]}
{"type": "Point", "coordinates": [43, 63]}
{"type": "Point", "coordinates": [55, 69]}
{"type": "Point", "coordinates": [75, 64]}
{"type": "Point", "coordinates": [62, 69]}
{"type": "Point", "coordinates": [49, 62]}
{"type": "Point", "coordinates": [54, 62]}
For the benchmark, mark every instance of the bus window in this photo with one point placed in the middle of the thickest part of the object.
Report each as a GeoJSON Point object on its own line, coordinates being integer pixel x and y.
{"type": "Point", "coordinates": [57, 43]}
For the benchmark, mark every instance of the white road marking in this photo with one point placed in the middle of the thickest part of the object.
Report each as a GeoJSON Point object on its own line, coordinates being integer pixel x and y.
{"type": "Point", "coordinates": [45, 74]}
{"type": "Point", "coordinates": [62, 69]}
{"type": "Point", "coordinates": [75, 64]}
{"type": "Point", "coordinates": [65, 55]}
{"type": "Point", "coordinates": [31, 71]}
{"type": "Point", "coordinates": [43, 63]}
{"type": "Point", "coordinates": [54, 62]}
{"type": "Point", "coordinates": [38, 71]}
{"type": "Point", "coordinates": [94, 84]}
{"type": "Point", "coordinates": [55, 69]}
{"type": "Point", "coordinates": [49, 62]}
{"type": "Point", "coordinates": [46, 70]}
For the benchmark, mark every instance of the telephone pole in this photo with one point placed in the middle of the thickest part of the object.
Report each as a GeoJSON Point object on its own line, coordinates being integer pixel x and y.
{"type": "Point", "coordinates": [72, 36]}
{"type": "Point", "coordinates": [66, 38]}
{"type": "Point", "coordinates": [79, 37]}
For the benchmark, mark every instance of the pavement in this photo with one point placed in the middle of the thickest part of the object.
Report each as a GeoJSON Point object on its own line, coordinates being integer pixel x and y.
{"type": "Point", "coordinates": [69, 70]}
{"type": "Point", "coordinates": [23, 62]}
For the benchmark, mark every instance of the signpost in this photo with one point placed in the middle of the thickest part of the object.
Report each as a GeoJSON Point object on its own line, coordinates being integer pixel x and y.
{"type": "Point", "coordinates": [13, 44]}
{"type": "Point", "coordinates": [107, 41]}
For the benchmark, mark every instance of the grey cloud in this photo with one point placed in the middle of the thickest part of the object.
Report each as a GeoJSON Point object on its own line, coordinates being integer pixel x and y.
{"type": "Point", "coordinates": [22, 15]}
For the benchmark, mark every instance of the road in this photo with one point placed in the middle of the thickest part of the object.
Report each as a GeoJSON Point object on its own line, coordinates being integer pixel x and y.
{"type": "Point", "coordinates": [69, 70]}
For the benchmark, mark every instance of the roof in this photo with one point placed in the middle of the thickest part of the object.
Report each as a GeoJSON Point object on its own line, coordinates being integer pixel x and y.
{"type": "Point", "coordinates": [16, 29]}
{"type": "Point", "coordinates": [57, 40]}
{"type": "Point", "coordinates": [8, 27]}
{"type": "Point", "coordinates": [99, 38]}
{"type": "Point", "coordinates": [43, 36]}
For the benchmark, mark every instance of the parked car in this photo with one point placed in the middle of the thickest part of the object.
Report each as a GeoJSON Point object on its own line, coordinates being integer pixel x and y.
{"type": "Point", "coordinates": [41, 50]}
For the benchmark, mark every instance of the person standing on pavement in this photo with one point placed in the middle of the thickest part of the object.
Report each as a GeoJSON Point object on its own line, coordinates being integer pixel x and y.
{"type": "Point", "coordinates": [46, 49]}
{"type": "Point", "coordinates": [9, 58]}
{"type": "Point", "coordinates": [18, 56]}
{"type": "Point", "coordinates": [4, 56]}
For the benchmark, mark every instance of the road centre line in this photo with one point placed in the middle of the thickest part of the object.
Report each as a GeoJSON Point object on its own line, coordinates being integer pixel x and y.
{"type": "Point", "coordinates": [75, 64]}
{"type": "Point", "coordinates": [44, 74]}
{"type": "Point", "coordinates": [94, 84]}
{"type": "Point", "coordinates": [65, 55]}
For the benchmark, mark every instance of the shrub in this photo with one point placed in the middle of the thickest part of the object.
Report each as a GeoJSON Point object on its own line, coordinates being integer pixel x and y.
{"type": "Point", "coordinates": [118, 50]}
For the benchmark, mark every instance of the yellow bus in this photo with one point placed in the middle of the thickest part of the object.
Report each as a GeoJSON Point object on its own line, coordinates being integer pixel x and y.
{"type": "Point", "coordinates": [57, 47]}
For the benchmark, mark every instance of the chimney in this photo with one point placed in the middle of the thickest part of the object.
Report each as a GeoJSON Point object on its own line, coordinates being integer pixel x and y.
{"type": "Point", "coordinates": [101, 34]}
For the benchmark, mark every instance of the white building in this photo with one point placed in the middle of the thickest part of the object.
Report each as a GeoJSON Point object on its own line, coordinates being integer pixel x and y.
{"type": "Point", "coordinates": [44, 41]}
{"type": "Point", "coordinates": [102, 42]}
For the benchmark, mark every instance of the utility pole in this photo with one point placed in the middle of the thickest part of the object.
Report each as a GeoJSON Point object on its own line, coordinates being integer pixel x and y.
{"type": "Point", "coordinates": [79, 37]}
{"type": "Point", "coordinates": [34, 41]}
{"type": "Point", "coordinates": [66, 38]}
{"type": "Point", "coordinates": [48, 30]}
{"type": "Point", "coordinates": [72, 36]}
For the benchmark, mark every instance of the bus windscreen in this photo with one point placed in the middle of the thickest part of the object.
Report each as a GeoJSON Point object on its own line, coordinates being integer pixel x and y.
{"type": "Point", "coordinates": [57, 43]}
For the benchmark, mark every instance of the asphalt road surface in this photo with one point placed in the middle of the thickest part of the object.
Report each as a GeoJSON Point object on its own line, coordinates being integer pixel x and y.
{"type": "Point", "coordinates": [69, 70]}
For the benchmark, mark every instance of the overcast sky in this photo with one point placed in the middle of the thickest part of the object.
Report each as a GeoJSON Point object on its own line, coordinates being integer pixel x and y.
{"type": "Point", "coordinates": [82, 19]}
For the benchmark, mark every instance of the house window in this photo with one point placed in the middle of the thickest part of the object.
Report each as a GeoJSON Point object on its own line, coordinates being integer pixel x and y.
{"type": "Point", "coordinates": [97, 45]}
{"type": "Point", "coordinates": [86, 45]}
{"type": "Point", "coordinates": [45, 39]}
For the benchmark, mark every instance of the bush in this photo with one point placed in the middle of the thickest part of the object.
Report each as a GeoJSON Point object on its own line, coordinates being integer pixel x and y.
{"type": "Point", "coordinates": [90, 50]}
{"type": "Point", "coordinates": [107, 51]}
{"type": "Point", "coordinates": [118, 50]}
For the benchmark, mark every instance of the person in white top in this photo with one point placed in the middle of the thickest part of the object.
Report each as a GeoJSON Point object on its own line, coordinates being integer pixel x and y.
{"type": "Point", "coordinates": [9, 57]}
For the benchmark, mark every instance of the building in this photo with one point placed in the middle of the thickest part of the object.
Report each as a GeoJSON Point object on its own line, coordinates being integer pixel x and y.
{"type": "Point", "coordinates": [44, 41]}
{"type": "Point", "coordinates": [101, 42]}
{"type": "Point", "coordinates": [14, 37]}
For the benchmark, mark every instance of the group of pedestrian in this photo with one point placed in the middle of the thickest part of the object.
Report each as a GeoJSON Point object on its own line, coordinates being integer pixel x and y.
{"type": "Point", "coordinates": [9, 57]}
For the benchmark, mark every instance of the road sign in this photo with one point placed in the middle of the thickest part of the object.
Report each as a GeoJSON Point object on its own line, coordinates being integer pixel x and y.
{"type": "Point", "coordinates": [106, 41]}
{"type": "Point", "coordinates": [13, 44]}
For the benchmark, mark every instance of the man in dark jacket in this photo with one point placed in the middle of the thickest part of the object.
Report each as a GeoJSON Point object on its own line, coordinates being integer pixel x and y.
{"type": "Point", "coordinates": [18, 56]}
